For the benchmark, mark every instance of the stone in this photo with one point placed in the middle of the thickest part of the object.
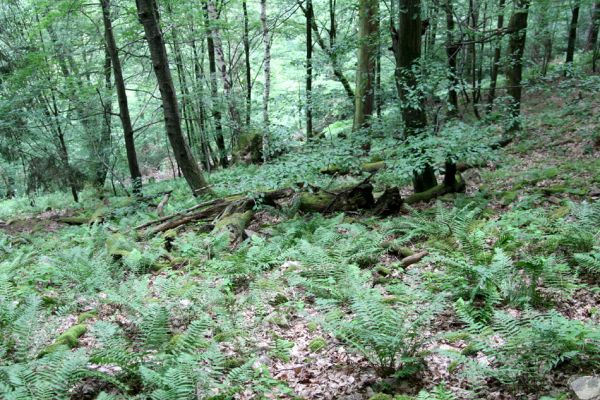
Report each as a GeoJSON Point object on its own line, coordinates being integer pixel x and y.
{"type": "Point", "coordinates": [586, 387]}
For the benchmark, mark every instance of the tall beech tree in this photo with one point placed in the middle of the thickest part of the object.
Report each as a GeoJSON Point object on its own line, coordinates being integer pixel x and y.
{"type": "Point", "coordinates": [149, 18]}
{"type": "Point", "coordinates": [111, 45]}
{"type": "Point", "coordinates": [407, 46]}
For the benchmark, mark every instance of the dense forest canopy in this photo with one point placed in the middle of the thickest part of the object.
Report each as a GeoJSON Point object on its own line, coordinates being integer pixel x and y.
{"type": "Point", "coordinates": [254, 70]}
{"type": "Point", "coordinates": [320, 199]}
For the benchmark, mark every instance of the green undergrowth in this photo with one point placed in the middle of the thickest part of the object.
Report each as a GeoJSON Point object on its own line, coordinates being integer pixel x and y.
{"type": "Point", "coordinates": [504, 295]}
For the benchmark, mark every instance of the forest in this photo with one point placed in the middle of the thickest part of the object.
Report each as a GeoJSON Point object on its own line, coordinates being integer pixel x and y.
{"type": "Point", "coordinates": [299, 199]}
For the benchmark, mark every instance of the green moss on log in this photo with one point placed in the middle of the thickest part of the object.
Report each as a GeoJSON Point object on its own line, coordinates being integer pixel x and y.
{"type": "Point", "coordinates": [69, 338]}
{"type": "Point", "coordinates": [234, 224]}
{"type": "Point", "coordinates": [437, 191]}
{"type": "Point", "coordinates": [373, 166]}
{"type": "Point", "coordinates": [316, 202]}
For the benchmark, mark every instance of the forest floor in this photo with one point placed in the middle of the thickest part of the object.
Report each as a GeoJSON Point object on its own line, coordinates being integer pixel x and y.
{"type": "Point", "coordinates": [505, 305]}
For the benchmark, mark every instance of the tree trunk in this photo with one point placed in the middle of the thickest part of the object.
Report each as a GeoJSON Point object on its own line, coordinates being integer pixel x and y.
{"type": "Point", "coordinates": [148, 15]}
{"type": "Point", "coordinates": [216, 112]}
{"type": "Point", "coordinates": [592, 36]}
{"type": "Point", "coordinates": [185, 94]}
{"type": "Point", "coordinates": [267, 71]}
{"type": "Point", "coordinates": [496, 58]}
{"type": "Point", "coordinates": [517, 27]}
{"type": "Point", "coordinates": [309, 48]}
{"type": "Point", "coordinates": [225, 77]}
{"type": "Point", "coordinates": [408, 52]}
{"type": "Point", "coordinates": [103, 151]}
{"type": "Point", "coordinates": [201, 115]}
{"type": "Point", "coordinates": [330, 50]}
{"type": "Point", "coordinates": [452, 49]}
{"type": "Point", "coordinates": [247, 62]}
{"type": "Point", "coordinates": [368, 29]}
{"type": "Point", "coordinates": [572, 39]}
{"type": "Point", "coordinates": [134, 169]}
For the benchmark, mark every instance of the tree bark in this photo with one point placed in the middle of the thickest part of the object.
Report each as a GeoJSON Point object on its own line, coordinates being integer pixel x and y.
{"type": "Point", "coordinates": [103, 151]}
{"type": "Point", "coordinates": [408, 52]}
{"type": "Point", "coordinates": [225, 77]}
{"type": "Point", "coordinates": [309, 48]}
{"type": "Point", "coordinates": [266, 36]}
{"type": "Point", "coordinates": [592, 36]}
{"type": "Point", "coordinates": [247, 62]}
{"type": "Point", "coordinates": [134, 169]}
{"type": "Point", "coordinates": [149, 18]}
{"type": "Point", "coordinates": [496, 58]}
{"type": "Point", "coordinates": [216, 112]}
{"type": "Point", "coordinates": [452, 49]}
{"type": "Point", "coordinates": [329, 49]}
{"type": "Point", "coordinates": [572, 38]}
{"type": "Point", "coordinates": [517, 27]}
{"type": "Point", "coordinates": [368, 29]}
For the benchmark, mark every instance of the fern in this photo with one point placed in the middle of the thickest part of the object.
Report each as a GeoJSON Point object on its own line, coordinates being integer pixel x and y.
{"type": "Point", "coordinates": [389, 337]}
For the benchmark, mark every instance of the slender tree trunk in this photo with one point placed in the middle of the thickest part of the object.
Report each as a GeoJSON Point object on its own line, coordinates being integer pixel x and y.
{"type": "Point", "coordinates": [309, 48]}
{"type": "Point", "coordinates": [103, 151]}
{"type": "Point", "coordinates": [134, 169]}
{"type": "Point", "coordinates": [225, 77]}
{"type": "Point", "coordinates": [201, 115]}
{"type": "Point", "coordinates": [216, 112]}
{"type": "Point", "coordinates": [185, 94]}
{"type": "Point", "coordinates": [247, 62]}
{"type": "Point", "coordinates": [148, 15]}
{"type": "Point", "coordinates": [330, 50]}
{"type": "Point", "coordinates": [452, 49]}
{"type": "Point", "coordinates": [368, 29]}
{"type": "Point", "coordinates": [408, 52]}
{"type": "Point", "coordinates": [572, 39]}
{"type": "Point", "coordinates": [514, 71]}
{"type": "Point", "coordinates": [266, 36]}
{"type": "Point", "coordinates": [592, 35]}
{"type": "Point", "coordinates": [496, 58]}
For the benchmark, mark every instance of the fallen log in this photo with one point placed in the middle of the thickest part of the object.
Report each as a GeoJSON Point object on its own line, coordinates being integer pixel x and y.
{"type": "Point", "coordinates": [233, 214]}
{"type": "Point", "coordinates": [355, 198]}
{"type": "Point", "coordinates": [439, 190]}
{"type": "Point", "coordinates": [216, 209]}
{"type": "Point", "coordinates": [413, 259]}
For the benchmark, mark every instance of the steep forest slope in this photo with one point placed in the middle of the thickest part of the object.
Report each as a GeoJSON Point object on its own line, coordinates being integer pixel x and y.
{"type": "Point", "coordinates": [490, 294]}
